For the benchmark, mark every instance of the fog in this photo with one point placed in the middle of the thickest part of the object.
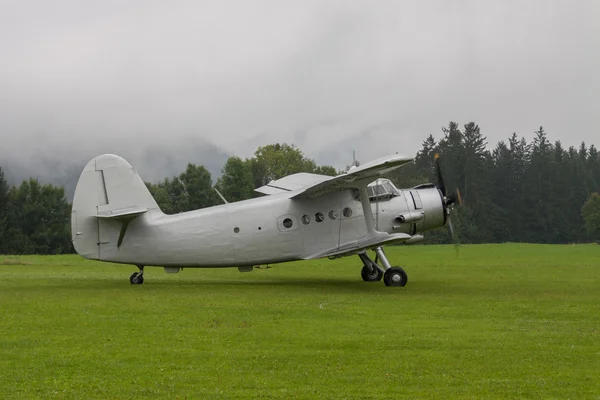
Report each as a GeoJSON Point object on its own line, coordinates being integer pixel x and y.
{"type": "Point", "coordinates": [164, 83]}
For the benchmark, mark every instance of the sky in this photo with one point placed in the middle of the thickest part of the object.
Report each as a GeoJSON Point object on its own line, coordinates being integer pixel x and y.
{"type": "Point", "coordinates": [206, 79]}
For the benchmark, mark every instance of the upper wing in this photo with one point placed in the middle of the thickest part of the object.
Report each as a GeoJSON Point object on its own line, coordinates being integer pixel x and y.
{"type": "Point", "coordinates": [360, 175]}
{"type": "Point", "coordinates": [292, 182]}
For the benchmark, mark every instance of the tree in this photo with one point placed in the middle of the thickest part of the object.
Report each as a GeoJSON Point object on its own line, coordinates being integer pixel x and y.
{"type": "Point", "coordinates": [474, 157]}
{"type": "Point", "coordinates": [191, 190]}
{"type": "Point", "coordinates": [326, 170]}
{"type": "Point", "coordinates": [538, 223]}
{"type": "Point", "coordinates": [176, 194]}
{"type": "Point", "coordinates": [277, 160]}
{"type": "Point", "coordinates": [591, 215]}
{"type": "Point", "coordinates": [38, 220]}
{"type": "Point", "coordinates": [3, 206]}
{"type": "Point", "coordinates": [161, 195]}
{"type": "Point", "coordinates": [593, 166]}
{"type": "Point", "coordinates": [236, 182]}
{"type": "Point", "coordinates": [424, 160]}
{"type": "Point", "coordinates": [451, 149]}
{"type": "Point", "coordinates": [197, 188]}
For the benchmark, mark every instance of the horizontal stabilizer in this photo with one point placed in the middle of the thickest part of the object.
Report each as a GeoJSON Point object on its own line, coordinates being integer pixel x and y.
{"type": "Point", "coordinates": [122, 213]}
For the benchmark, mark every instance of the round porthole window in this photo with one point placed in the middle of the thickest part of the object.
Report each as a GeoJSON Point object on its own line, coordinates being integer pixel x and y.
{"type": "Point", "coordinates": [347, 212]}
{"type": "Point", "coordinates": [319, 217]}
{"type": "Point", "coordinates": [287, 223]}
{"type": "Point", "coordinates": [236, 229]}
{"type": "Point", "coordinates": [333, 214]}
{"type": "Point", "coordinates": [305, 219]}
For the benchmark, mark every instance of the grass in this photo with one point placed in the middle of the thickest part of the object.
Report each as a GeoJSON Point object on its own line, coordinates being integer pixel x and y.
{"type": "Point", "coordinates": [500, 321]}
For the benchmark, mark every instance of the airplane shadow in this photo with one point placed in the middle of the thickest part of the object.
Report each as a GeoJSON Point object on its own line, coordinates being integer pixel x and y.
{"type": "Point", "coordinates": [306, 284]}
{"type": "Point", "coordinates": [315, 285]}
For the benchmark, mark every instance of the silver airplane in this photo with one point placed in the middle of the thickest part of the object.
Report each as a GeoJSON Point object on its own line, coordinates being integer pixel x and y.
{"type": "Point", "coordinates": [301, 217]}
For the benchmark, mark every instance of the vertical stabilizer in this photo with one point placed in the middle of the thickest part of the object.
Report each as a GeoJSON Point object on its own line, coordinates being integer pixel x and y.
{"type": "Point", "coordinates": [108, 195]}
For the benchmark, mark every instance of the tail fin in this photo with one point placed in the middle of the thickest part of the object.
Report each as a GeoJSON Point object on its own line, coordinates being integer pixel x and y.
{"type": "Point", "coordinates": [109, 195]}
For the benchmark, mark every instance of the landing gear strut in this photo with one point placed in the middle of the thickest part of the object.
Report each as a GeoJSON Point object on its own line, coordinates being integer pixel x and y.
{"type": "Point", "coordinates": [371, 271]}
{"type": "Point", "coordinates": [137, 278]}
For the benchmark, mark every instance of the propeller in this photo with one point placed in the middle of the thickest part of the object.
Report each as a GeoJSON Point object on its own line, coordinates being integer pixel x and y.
{"type": "Point", "coordinates": [450, 200]}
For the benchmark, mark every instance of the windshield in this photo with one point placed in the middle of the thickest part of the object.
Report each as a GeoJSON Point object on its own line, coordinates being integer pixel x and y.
{"type": "Point", "coordinates": [381, 188]}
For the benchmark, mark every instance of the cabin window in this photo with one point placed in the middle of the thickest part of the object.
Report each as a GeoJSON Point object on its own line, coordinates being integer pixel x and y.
{"type": "Point", "coordinates": [319, 217]}
{"type": "Point", "coordinates": [333, 214]}
{"type": "Point", "coordinates": [286, 223]}
{"type": "Point", "coordinates": [305, 219]}
{"type": "Point", "coordinates": [236, 229]}
{"type": "Point", "coordinates": [347, 212]}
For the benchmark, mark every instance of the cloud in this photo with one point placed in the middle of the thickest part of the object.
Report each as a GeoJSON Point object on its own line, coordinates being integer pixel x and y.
{"type": "Point", "coordinates": [327, 76]}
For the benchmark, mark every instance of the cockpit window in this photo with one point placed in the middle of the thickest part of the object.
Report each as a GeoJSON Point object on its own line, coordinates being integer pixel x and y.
{"type": "Point", "coordinates": [381, 188]}
{"type": "Point", "coordinates": [370, 191]}
{"type": "Point", "coordinates": [389, 188]}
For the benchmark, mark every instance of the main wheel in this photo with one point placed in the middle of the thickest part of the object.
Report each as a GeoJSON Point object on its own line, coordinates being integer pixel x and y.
{"type": "Point", "coordinates": [371, 276]}
{"type": "Point", "coordinates": [136, 278]}
{"type": "Point", "coordinates": [395, 276]}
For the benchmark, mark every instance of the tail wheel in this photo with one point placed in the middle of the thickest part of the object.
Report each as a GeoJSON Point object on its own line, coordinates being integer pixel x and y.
{"type": "Point", "coordinates": [136, 278]}
{"type": "Point", "coordinates": [395, 276]}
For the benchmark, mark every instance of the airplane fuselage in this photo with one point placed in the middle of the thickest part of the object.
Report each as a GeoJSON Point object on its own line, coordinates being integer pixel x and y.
{"type": "Point", "coordinates": [260, 231]}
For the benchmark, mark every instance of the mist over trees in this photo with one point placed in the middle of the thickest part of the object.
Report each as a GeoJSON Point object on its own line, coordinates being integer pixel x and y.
{"type": "Point", "coordinates": [519, 191]}
{"type": "Point", "coordinates": [61, 166]}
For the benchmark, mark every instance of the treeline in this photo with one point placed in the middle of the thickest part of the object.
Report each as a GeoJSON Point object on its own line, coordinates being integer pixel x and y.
{"type": "Point", "coordinates": [34, 218]}
{"type": "Point", "coordinates": [536, 192]}
{"type": "Point", "coordinates": [518, 192]}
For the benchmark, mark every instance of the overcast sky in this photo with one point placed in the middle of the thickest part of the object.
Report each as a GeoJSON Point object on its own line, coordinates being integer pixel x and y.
{"type": "Point", "coordinates": [328, 76]}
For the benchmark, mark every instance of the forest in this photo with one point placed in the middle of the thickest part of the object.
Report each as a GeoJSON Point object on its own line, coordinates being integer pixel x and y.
{"type": "Point", "coordinates": [535, 192]}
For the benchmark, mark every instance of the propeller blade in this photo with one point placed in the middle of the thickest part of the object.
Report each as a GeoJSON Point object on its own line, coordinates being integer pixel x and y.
{"type": "Point", "coordinates": [438, 171]}
{"type": "Point", "coordinates": [451, 229]}
{"type": "Point", "coordinates": [449, 201]}
{"type": "Point", "coordinates": [454, 237]}
{"type": "Point", "coordinates": [455, 198]}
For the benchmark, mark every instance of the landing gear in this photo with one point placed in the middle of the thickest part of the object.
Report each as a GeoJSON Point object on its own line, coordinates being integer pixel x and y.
{"type": "Point", "coordinates": [137, 278]}
{"type": "Point", "coordinates": [371, 271]}
{"type": "Point", "coordinates": [371, 275]}
{"type": "Point", "coordinates": [395, 276]}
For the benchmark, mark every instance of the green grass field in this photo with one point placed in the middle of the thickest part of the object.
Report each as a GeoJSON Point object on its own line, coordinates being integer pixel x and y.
{"type": "Point", "coordinates": [500, 321]}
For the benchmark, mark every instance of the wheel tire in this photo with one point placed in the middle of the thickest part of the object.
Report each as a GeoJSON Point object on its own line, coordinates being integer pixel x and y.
{"type": "Point", "coordinates": [371, 276]}
{"type": "Point", "coordinates": [395, 276]}
{"type": "Point", "coordinates": [136, 278]}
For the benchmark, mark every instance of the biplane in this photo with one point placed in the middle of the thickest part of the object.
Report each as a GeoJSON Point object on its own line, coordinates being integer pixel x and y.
{"type": "Point", "coordinates": [299, 217]}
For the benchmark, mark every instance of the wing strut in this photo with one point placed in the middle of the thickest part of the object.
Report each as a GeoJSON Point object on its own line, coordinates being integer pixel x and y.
{"type": "Point", "coordinates": [367, 211]}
